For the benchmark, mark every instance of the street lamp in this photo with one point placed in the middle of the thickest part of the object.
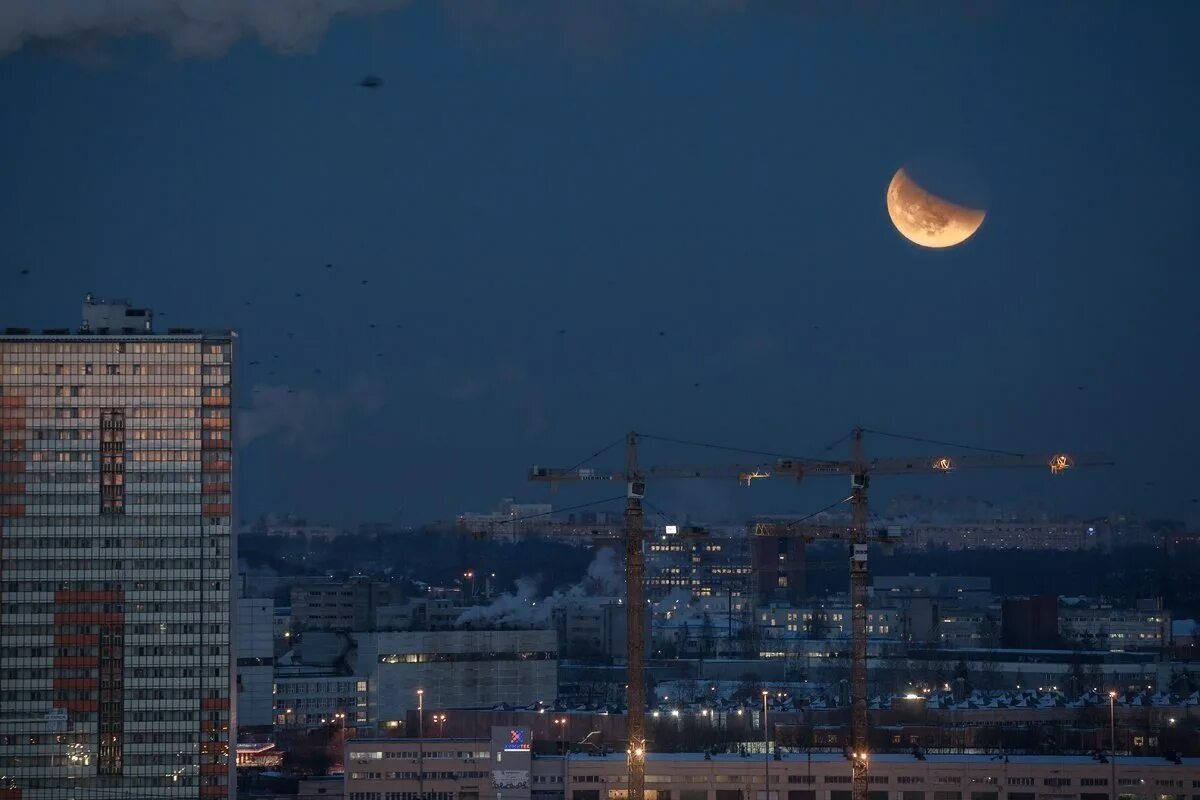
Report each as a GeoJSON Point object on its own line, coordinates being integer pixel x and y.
{"type": "Point", "coordinates": [561, 722]}
{"type": "Point", "coordinates": [421, 743]}
{"type": "Point", "coordinates": [766, 751]}
{"type": "Point", "coordinates": [1112, 743]}
{"type": "Point", "coordinates": [440, 719]}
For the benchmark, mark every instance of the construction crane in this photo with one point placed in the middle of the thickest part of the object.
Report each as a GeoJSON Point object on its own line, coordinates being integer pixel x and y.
{"type": "Point", "coordinates": [634, 535]}
{"type": "Point", "coordinates": [859, 469]}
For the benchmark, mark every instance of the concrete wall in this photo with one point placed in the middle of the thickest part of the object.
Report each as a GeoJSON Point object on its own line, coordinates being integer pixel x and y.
{"type": "Point", "coordinates": [456, 669]}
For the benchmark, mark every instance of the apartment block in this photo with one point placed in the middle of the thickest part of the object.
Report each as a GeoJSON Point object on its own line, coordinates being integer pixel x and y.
{"type": "Point", "coordinates": [116, 559]}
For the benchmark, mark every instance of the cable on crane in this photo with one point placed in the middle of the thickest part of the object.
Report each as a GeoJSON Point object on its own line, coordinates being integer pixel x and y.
{"type": "Point", "coordinates": [832, 445]}
{"type": "Point", "coordinates": [711, 446]}
{"type": "Point", "coordinates": [793, 523]}
{"type": "Point", "coordinates": [601, 451]}
{"type": "Point", "coordinates": [560, 510]}
{"type": "Point", "coordinates": [943, 444]}
{"type": "Point", "coordinates": [666, 518]}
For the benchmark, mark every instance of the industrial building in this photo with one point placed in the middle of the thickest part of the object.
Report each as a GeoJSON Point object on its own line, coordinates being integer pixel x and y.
{"type": "Point", "coordinates": [1101, 625]}
{"type": "Point", "coordinates": [1006, 535]}
{"type": "Point", "coordinates": [508, 520]}
{"type": "Point", "coordinates": [503, 767]}
{"type": "Point", "coordinates": [341, 606]}
{"type": "Point", "coordinates": [454, 669]}
{"type": "Point", "coordinates": [593, 628]}
{"type": "Point", "coordinates": [309, 698]}
{"type": "Point", "coordinates": [115, 512]}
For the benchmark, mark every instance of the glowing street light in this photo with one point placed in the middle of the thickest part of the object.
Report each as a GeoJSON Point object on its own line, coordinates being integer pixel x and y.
{"type": "Point", "coordinates": [766, 750]}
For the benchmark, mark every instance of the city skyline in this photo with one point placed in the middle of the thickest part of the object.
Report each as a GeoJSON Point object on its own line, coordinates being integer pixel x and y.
{"type": "Point", "coordinates": [599, 400]}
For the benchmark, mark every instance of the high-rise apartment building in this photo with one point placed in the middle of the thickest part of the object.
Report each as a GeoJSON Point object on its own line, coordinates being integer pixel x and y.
{"type": "Point", "coordinates": [116, 559]}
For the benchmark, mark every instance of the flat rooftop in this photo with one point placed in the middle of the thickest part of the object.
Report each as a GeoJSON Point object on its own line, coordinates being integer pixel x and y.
{"type": "Point", "coordinates": [823, 757]}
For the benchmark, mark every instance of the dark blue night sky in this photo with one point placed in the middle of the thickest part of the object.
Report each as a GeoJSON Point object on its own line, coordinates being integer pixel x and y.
{"type": "Point", "coordinates": [717, 176]}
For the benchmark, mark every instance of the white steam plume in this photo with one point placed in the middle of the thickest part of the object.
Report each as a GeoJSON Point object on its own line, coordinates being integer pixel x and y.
{"type": "Point", "coordinates": [192, 27]}
{"type": "Point", "coordinates": [523, 607]}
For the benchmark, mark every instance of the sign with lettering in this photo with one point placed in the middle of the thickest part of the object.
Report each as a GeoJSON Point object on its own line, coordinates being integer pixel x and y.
{"type": "Point", "coordinates": [518, 739]}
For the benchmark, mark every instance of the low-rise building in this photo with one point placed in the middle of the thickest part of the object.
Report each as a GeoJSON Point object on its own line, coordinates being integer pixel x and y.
{"type": "Point", "coordinates": [1097, 624]}
{"type": "Point", "coordinates": [455, 669]}
{"type": "Point", "coordinates": [310, 698]}
{"type": "Point", "coordinates": [503, 767]}
{"type": "Point", "coordinates": [341, 605]}
{"type": "Point", "coordinates": [508, 519]}
{"type": "Point", "coordinates": [431, 613]}
{"type": "Point", "coordinates": [1005, 535]}
{"type": "Point", "coordinates": [829, 618]}
{"type": "Point", "coordinates": [594, 628]}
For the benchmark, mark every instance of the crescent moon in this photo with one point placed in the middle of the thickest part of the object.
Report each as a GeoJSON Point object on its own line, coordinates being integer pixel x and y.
{"type": "Point", "coordinates": [927, 219]}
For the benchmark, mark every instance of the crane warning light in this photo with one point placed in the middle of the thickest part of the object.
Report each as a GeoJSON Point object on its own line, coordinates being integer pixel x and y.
{"type": "Point", "coordinates": [1060, 463]}
{"type": "Point", "coordinates": [943, 464]}
{"type": "Point", "coordinates": [747, 478]}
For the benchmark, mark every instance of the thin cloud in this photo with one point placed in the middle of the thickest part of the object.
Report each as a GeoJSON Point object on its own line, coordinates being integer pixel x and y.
{"type": "Point", "coordinates": [304, 418]}
{"type": "Point", "coordinates": [208, 28]}
{"type": "Point", "coordinates": [191, 27]}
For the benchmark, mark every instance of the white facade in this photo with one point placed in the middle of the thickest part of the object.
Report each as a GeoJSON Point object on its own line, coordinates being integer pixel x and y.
{"type": "Point", "coordinates": [1104, 627]}
{"type": "Point", "coordinates": [456, 669]}
{"type": "Point", "coordinates": [482, 769]}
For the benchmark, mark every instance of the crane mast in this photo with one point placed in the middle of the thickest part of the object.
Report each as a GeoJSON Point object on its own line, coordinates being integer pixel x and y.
{"type": "Point", "coordinates": [634, 534]}
{"type": "Point", "coordinates": [860, 469]}
{"type": "Point", "coordinates": [859, 580]}
{"type": "Point", "coordinates": [635, 609]}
